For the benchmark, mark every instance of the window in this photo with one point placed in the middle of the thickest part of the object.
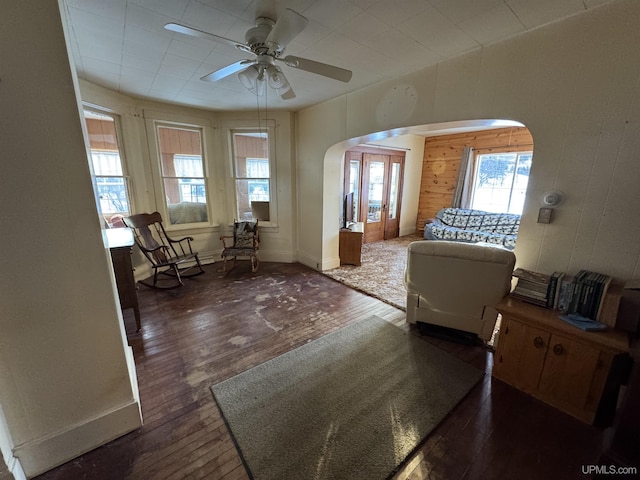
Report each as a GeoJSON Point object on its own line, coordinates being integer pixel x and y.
{"type": "Point", "coordinates": [500, 182]}
{"type": "Point", "coordinates": [394, 187]}
{"type": "Point", "coordinates": [252, 174]}
{"type": "Point", "coordinates": [183, 174]}
{"type": "Point", "coordinates": [353, 185]}
{"type": "Point", "coordinates": [109, 175]}
{"type": "Point", "coordinates": [188, 169]}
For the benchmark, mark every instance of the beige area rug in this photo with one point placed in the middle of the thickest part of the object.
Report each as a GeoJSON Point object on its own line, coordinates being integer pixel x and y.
{"type": "Point", "coordinates": [381, 274]}
{"type": "Point", "coordinates": [353, 404]}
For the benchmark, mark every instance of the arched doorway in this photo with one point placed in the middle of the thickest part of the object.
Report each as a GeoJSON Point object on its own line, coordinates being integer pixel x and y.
{"type": "Point", "coordinates": [333, 182]}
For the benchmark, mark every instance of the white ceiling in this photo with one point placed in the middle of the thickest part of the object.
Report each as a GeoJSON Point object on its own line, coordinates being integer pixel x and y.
{"type": "Point", "coordinates": [122, 45]}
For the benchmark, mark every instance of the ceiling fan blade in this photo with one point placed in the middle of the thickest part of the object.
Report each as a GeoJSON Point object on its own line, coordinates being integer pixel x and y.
{"type": "Point", "coordinates": [289, 25]}
{"type": "Point", "coordinates": [318, 68]}
{"type": "Point", "coordinates": [194, 32]}
{"type": "Point", "coordinates": [226, 71]}
{"type": "Point", "coordinates": [288, 94]}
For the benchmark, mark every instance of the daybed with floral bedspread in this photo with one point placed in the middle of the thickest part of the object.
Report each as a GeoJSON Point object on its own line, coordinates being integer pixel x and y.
{"type": "Point", "coordinates": [473, 226]}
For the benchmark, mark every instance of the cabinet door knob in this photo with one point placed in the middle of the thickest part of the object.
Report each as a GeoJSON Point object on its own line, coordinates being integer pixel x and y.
{"type": "Point", "coordinates": [538, 342]}
{"type": "Point", "coordinates": [558, 349]}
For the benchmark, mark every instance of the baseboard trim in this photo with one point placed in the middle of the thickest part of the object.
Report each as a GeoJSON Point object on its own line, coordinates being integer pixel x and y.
{"type": "Point", "coordinates": [12, 471]}
{"type": "Point", "coordinates": [277, 256]}
{"type": "Point", "coordinates": [309, 261]}
{"type": "Point", "coordinates": [211, 257]}
{"type": "Point", "coordinates": [43, 454]}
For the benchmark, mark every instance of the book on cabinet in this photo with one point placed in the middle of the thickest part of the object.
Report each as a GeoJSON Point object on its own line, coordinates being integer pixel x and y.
{"type": "Point", "coordinates": [587, 293]}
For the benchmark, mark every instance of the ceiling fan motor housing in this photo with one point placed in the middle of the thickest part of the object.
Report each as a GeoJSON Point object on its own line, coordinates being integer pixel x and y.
{"type": "Point", "coordinates": [256, 36]}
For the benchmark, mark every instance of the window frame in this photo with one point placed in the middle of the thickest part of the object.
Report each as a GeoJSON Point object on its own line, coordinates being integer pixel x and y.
{"type": "Point", "coordinates": [124, 167]}
{"type": "Point", "coordinates": [476, 171]}
{"type": "Point", "coordinates": [159, 177]}
{"type": "Point", "coordinates": [268, 127]}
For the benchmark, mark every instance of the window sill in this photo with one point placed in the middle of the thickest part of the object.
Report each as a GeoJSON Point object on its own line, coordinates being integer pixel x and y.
{"type": "Point", "coordinates": [192, 228]}
{"type": "Point", "coordinates": [262, 226]}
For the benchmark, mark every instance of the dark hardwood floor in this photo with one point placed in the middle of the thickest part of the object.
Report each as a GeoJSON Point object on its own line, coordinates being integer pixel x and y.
{"type": "Point", "coordinates": [215, 327]}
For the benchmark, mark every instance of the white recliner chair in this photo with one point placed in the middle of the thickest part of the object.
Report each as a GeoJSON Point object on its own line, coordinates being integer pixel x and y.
{"type": "Point", "coordinates": [457, 285]}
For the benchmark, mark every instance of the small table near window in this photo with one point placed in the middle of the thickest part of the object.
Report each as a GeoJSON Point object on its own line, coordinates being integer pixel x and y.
{"type": "Point", "coordinates": [120, 242]}
{"type": "Point", "coordinates": [351, 244]}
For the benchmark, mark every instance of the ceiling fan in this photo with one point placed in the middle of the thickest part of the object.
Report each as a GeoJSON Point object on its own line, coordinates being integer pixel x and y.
{"type": "Point", "coordinates": [266, 42]}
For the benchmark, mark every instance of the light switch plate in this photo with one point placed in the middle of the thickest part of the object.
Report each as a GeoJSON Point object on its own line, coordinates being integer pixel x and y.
{"type": "Point", "coordinates": [544, 215]}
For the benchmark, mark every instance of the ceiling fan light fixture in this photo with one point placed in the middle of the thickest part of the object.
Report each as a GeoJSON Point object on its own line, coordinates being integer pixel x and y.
{"type": "Point", "coordinates": [260, 86]}
{"type": "Point", "coordinates": [277, 80]}
{"type": "Point", "coordinates": [248, 77]}
{"type": "Point", "coordinates": [252, 79]}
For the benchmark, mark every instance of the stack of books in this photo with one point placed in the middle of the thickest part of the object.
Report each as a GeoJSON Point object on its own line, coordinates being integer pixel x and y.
{"type": "Point", "coordinates": [538, 288]}
{"type": "Point", "coordinates": [586, 294]}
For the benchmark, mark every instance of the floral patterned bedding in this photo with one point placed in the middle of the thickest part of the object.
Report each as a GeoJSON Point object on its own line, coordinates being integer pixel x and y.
{"type": "Point", "coordinates": [473, 226]}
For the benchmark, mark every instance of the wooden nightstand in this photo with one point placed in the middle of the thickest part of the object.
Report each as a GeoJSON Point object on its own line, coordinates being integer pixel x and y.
{"type": "Point", "coordinates": [350, 247]}
{"type": "Point", "coordinates": [120, 242]}
{"type": "Point", "coordinates": [578, 372]}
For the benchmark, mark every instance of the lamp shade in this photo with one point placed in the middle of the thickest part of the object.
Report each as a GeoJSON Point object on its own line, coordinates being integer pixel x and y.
{"type": "Point", "coordinates": [253, 80]}
{"type": "Point", "coordinates": [248, 77]}
{"type": "Point", "coordinates": [277, 79]}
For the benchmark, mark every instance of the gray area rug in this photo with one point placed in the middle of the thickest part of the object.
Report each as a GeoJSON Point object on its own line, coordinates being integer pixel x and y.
{"type": "Point", "coordinates": [350, 405]}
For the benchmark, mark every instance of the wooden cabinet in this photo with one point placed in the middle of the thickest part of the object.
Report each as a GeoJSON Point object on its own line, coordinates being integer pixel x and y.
{"type": "Point", "coordinates": [350, 247]}
{"type": "Point", "coordinates": [120, 242]}
{"type": "Point", "coordinates": [556, 362]}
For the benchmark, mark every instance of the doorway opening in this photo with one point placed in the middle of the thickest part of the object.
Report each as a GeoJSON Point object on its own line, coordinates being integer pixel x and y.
{"type": "Point", "coordinates": [374, 178]}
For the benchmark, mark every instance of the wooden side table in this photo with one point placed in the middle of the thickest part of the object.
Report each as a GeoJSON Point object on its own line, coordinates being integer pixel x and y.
{"type": "Point", "coordinates": [120, 242]}
{"type": "Point", "coordinates": [350, 247]}
{"type": "Point", "coordinates": [575, 371]}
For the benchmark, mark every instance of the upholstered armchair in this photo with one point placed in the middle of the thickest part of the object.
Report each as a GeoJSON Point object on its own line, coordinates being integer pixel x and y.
{"type": "Point", "coordinates": [457, 285]}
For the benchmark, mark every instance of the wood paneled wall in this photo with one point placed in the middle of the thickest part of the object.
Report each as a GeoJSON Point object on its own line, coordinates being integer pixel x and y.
{"type": "Point", "coordinates": [248, 146]}
{"type": "Point", "coordinates": [441, 163]}
{"type": "Point", "coordinates": [102, 134]}
{"type": "Point", "coordinates": [176, 141]}
{"type": "Point", "coordinates": [179, 141]}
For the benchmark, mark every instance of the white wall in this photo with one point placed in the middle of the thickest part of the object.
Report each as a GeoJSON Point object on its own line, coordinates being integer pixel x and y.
{"type": "Point", "coordinates": [574, 84]}
{"type": "Point", "coordinates": [67, 380]}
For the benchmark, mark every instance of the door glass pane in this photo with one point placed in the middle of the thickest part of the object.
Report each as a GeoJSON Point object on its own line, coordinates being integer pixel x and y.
{"type": "Point", "coordinates": [354, 186]}
{"type": "Point", "coordinates": [393, 190]}
{"type": "Point", "coordinates": [376, 179]}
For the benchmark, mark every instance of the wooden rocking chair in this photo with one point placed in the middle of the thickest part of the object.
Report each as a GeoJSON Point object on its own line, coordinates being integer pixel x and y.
{"type": "Point", "coordinates": [168, 256]}
{"type": "Point", "coordinates": [245, 244]}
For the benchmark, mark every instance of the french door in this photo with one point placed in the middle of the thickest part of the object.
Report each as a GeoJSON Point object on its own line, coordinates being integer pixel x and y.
{"type": "Point", "coordinates": [380, 193]}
